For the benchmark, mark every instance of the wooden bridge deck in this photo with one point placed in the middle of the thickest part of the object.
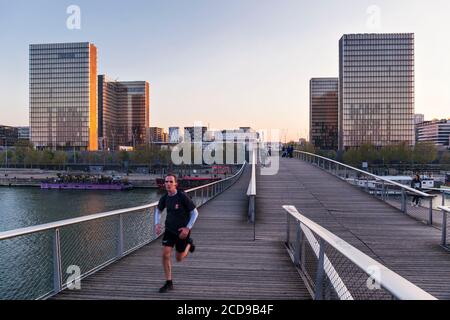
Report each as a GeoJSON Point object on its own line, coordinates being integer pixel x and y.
{"type": "Point", "coordinates": [227, 263]}
{"type": "Point", "coordinates": [402, 243]}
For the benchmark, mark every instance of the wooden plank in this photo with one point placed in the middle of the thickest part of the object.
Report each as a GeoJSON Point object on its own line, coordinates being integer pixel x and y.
{"type": "Point", "coordinates": [227, 263]}
{"type": "Point", "coordinates": [402, 243]}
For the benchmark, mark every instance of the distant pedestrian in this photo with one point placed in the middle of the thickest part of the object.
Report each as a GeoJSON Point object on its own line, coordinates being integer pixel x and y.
{"type": "Point", "coordinates": [181, 216]}
{"type": "Point", "coordinates": [416, 183]}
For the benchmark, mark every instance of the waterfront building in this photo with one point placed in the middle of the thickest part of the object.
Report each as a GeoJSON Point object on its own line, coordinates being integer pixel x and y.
{"type": "Point", "coordinates": [323, 113]}
{"type": "Point", "coordinates": [124, 113]}
{"type": "Point", "coordinates": [63, 96]}
{"type": "Point", "coordinates": [23, 133]}
{"type": "Point", "coordinates": [376, 89]}
{"type": "Point", "coordinates": [156, 135]}
{"type": "Point", "coordinates": [435, 131]}
{"type": "Point", "coordinates": [8, 136]}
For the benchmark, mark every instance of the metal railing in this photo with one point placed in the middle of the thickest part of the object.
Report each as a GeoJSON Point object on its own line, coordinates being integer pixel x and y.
{"type": "Point", "coordinates": [445, 212]}
{"type": "Point", "coordinates": [251, 190]}
{"type": "Point", "coordinates": [332, 269]}
{"type": "Point", "coordinates": [34, 260]}
{"type": "Point", "coordinates": [392, 192]}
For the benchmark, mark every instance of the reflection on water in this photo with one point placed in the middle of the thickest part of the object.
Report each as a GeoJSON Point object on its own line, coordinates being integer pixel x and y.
{"type": "Point", "coordinates": [26, 263]}
{"type": "Point", "coordinates": [23, 207]}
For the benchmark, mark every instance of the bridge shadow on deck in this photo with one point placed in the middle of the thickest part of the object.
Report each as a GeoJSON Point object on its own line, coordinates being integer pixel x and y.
{"type": "Point", "coordinates": [403, 244]}
{"type": "Point", "coordinates": [227, 263]}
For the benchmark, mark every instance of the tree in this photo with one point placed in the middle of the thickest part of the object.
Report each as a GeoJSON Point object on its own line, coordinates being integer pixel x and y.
{"type": "Point", "coordinates": [387, 154]}
{"type": "Point", "coordinates": [424, 152]}
{"type": "Point", "coordinates": [368, 152]}
{"type": "Point", "coordinates": [59, 158]}
{"type": "Point", "coordinates": [445, 158]}
{"type": "Point", "coordinates": [402, 153]}
{"type": "Point", "coordinates": [352, 157]}
{"type": "Point", "coordinates": [31, 157]}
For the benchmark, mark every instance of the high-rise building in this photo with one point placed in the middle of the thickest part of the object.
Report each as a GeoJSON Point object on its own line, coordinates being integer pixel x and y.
{"type": "Point", "coordinates": [436, 131]}
{"type": "Point", "coordinates": [376, 89]}
{"type": "Point", "coordinates": [124, 112]}
{"type": "Point", "coordinates": [156, 135]}
{"type": "Point", "coordinates": [63, 96]}
{"type": "Point", "coordinates": [174, 135]}
{"type": "Point", "coordinates": [323, 113]}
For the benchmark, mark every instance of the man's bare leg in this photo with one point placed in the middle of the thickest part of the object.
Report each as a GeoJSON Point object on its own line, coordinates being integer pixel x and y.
{"type": "Point", "coordinates": [182, 255]}
{"type": "Point", "coordinates": [167, 256]}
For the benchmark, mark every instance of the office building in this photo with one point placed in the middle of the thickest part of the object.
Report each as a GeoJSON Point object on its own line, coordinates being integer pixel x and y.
{"type": "Point", "coordinates": [323, 113]}
{"type": "Point", "coordinates": [63, 96]}
{"type": "Point", "coordinates": [124, 113]}
{"type": "Point", "coordinates": [435, 131]}
{"type": "Point", "coordinates": [376, 89]}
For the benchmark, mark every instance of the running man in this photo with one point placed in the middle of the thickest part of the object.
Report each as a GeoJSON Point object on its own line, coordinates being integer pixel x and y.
{"type": "Point", "coordinates": [181, 216]}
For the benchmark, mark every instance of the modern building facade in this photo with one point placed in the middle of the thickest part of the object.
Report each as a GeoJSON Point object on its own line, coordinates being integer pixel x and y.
{"type": "Point", "coordinates": [157, 135]}
{"type": "Point", "coordinates": [63, 96]}
{"type": "Point", "coordinates": [23, 133]}
{"type": "Point", "coordinates": [323, 113]}
{"type": "Point", "coordinates": [124, 113]}
{"type": "Point", "coordinates": [194, 134]}
{"type": "Point", "coordinates": [419, 118]}
{"type": "Point", "coordinates": [174, 135]}
{"type": "Point", "coordinates": [376, 89]}
{"type": "Point", "coordinates": [8, 136]}
{"type": "Point", "coordinates": [435, 131]}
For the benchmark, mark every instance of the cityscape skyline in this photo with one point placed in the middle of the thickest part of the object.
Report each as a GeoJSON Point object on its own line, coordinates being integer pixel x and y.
{"type": "Point", "coordinates": [252, 59]}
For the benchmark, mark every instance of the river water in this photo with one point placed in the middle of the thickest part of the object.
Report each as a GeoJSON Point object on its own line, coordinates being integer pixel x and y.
{"type": "Point", "coordinates": [26, 262]}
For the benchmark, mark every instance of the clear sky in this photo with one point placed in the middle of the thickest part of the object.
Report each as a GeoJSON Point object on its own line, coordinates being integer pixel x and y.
{"type": "Point", "coordinates": [225, 63]}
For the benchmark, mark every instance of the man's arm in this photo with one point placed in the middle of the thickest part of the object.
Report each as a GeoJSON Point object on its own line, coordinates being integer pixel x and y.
{"type": "Point", "coordinates": [185, 231]}
{"type": "Point", "coordinates": [158, 211]}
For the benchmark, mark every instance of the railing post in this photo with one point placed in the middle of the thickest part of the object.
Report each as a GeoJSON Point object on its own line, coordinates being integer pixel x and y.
{"type": "Point", "coordinates": [383, 197]}
{"type": "Point", "coordinates": [320, 272]}
{"type": "Point", "coordinates": [57, 271]}
{"type": "Point", "coordinates": [298, 240]}
{"type": "Point", "coordinates": [203, 199]}
{"type": "Point", "coordinates": [430, 213]}
{"type": "Point", "coordinates": [403, 201]}
{"type": "Point", "coordinates": [443, 198]}
{"type": "Point", "coordinates": [444, 228]}
{"type": "Point", "coordinates": [367, 184]}
{"type": "Point", "coordinates": [120, 238]}
{"type": "Point", "coordinates": [288, 228]}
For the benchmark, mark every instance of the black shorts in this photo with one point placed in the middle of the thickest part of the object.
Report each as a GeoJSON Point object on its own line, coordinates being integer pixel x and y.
{"type": "Point", "coordinates": [171, 239]}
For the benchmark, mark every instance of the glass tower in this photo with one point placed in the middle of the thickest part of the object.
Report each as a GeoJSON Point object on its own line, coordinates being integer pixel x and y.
{"type": "Point", "coordinates": [63, 96]}
{"type": "Point", "coordinates": [376, 89]}
{"type": "Point", "coordinates": [323, 113]}
{"type": "Point", "coordinates": [124, 113]}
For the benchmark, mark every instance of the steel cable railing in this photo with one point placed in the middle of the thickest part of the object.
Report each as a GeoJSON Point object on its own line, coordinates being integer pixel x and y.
{"type": "Point", "coordinates": [394, 193]}
{"type": "Point", "coordinates": [332, 269]}
{"type": "Point", "coordinates": [39, 261]}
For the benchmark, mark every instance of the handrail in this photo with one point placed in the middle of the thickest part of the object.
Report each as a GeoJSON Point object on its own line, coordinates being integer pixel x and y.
{"type": "Point", "coordinates": [444, 190]}
{"type": "Point", "coordinates": [445, 211]}
{"type": "Point", "coordinates": [423, 194]}
{"type": "Point", "coordinates": [398, 286]}
{"type": "Point", "coordinates": [66, 222]}
{"type": "Point", "coordinates": [251, 190]}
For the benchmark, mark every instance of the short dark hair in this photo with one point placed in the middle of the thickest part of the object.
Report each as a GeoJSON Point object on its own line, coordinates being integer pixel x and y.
{"type": "Point", "coordinates": [171, 175]}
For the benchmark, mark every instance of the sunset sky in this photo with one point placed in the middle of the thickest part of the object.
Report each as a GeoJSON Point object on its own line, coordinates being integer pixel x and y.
{"type": "Point", "coordinates": [225, 63]}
